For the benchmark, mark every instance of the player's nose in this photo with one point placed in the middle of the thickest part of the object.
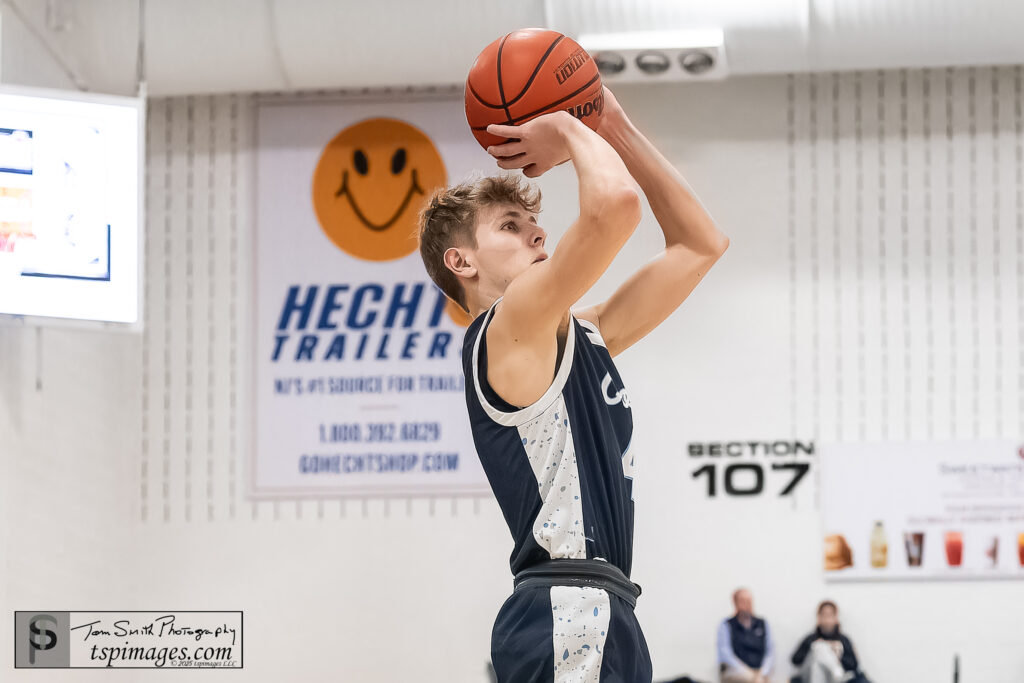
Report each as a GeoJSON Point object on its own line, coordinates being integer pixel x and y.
{"type": "Point", "coordinates": [539, 237]}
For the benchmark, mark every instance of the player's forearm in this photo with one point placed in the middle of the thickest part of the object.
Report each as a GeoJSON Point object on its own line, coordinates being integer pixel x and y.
{"type": "Point", "coordinates": [681, 217]}
{"type": "Point", "coordinates": [605, 187]}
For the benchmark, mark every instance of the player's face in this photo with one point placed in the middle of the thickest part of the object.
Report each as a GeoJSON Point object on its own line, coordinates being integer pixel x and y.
{"type": "Point", "coordinates": [508, 242]}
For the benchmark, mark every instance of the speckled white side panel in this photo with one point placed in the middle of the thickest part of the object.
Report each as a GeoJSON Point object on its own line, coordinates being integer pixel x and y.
{"type": "Point", "coordinates": [548, 443]}
{"type": "Point", "coordinates": [580, 618]}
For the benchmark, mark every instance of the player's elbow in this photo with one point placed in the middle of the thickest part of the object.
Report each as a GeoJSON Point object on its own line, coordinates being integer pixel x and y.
{"type": "Point", "coordinates": [628, 202]}
{"type": "Point", "coordinates": [715, 245]}
{"type": "Point", "coordinates": [619, 211]}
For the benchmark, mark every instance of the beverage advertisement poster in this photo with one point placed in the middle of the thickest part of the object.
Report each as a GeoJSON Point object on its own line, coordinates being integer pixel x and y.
{"type": "Point", "coordinates": [923, 510]}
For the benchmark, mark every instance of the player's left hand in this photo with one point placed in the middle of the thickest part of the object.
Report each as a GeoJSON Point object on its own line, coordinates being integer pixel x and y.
{"type": "Point", "coordinates": [535, 146]}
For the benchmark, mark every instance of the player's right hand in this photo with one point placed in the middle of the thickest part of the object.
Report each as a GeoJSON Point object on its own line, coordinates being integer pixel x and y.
{"type": "Point", "coordinates": [535, 146]}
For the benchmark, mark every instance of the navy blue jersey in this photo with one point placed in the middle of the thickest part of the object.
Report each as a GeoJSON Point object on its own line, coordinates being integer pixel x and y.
{"type": "Point", "coordinates": [562, 467]}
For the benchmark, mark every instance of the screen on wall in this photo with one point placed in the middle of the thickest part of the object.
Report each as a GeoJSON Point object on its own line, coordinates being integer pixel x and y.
{"type": "Point", "coordinates": [70, 205]}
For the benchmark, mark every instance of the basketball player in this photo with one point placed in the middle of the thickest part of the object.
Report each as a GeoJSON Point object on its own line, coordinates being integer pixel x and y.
{"type": "Point", "coordinates": [551, 418]}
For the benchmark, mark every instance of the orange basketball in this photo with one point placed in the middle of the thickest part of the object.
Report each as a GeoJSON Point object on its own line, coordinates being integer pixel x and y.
{"type": "Point", "coordinates": [527, 73]}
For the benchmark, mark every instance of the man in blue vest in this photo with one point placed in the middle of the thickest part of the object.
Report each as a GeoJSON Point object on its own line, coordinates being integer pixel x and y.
{"type": "Point", "coordinates": [746, 651]}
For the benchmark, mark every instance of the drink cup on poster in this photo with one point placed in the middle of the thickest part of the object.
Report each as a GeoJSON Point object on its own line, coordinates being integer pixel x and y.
{"type": "Point", "coordinates": [913, 541]}
{"type": "Point", "coordinates": [992, 552]}
{"type": "Point", "coordinates": [954, 548]}
{"type": "Point", "coordinates": [879, 546]}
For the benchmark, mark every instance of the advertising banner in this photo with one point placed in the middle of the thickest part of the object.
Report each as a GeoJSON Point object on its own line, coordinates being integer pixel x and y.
{"type": "Point", "coordinates": [923, 510]}
{"type": "Point", "coordinates": [358, 376]}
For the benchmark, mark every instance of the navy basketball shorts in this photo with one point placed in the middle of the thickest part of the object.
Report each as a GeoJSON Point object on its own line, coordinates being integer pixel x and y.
{"type": "Point", "coordinates": [568, 634]}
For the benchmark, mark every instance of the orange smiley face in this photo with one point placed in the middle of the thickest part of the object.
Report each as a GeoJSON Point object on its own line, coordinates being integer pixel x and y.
{"type": "Point", "coordinates": [368, 186]}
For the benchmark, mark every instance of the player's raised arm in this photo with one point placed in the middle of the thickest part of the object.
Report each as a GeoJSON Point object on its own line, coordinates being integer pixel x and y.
{"type": "Point", "coordinates": [693, 244]}
{"type": "Point", "coordinates": [536, 301]}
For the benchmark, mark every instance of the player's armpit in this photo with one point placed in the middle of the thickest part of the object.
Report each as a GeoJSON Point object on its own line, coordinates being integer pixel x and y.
{"type": "Point", "coordinates": [591, 314]}
{"type": "Point", "coordinates": [650, 295]}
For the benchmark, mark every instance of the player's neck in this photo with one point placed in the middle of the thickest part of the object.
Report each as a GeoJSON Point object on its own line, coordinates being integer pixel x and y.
{"type": "Point", "coordinates": [478, 302]}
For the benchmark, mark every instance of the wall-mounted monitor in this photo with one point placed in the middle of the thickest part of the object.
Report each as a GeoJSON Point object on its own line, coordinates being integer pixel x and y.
{"type": "Point", "coordinates": [70, 206]}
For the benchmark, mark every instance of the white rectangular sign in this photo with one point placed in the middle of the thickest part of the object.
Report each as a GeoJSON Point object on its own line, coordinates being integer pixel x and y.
{"type": "Point", "coordinates": [935, 510]}
{"type": "Point", "coordinates": [70, 205]}
{"type": "Point", "coordinates": [359, 388]}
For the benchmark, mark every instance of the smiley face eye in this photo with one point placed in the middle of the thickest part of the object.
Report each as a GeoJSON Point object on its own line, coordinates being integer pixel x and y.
{"type": "Point", "coordinates": [360, 162]}
{"type": "Point", "coordinates": [398, 161]}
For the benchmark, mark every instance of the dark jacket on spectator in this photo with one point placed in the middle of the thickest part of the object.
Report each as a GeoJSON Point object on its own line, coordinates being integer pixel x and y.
{"type": "Point", "coordinates": [848, 660]}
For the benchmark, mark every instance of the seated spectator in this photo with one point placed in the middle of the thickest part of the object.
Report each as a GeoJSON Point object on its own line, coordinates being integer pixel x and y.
{"type": "Point", "coordinates": [827, 656]}
{"type": "Point", "coordinates": [746, 651]}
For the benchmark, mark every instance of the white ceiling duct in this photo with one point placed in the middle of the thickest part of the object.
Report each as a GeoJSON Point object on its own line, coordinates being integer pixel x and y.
{"type": "Point", "coordinates": [777, 36]}
{"type": "Point", "coordinates": [297, 44]}
{"type": "Point", "coordinates": [204, 46]}
{"type": "Point", "coordinates": [199, 45]}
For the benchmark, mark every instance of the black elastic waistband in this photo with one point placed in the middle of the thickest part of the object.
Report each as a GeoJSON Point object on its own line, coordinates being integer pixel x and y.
{"type": "Point", "coordinates": [590, 573]}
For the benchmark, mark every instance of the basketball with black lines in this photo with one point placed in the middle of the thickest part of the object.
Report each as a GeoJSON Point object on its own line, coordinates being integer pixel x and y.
{"type": "Point", "coordinates": [527, 73]}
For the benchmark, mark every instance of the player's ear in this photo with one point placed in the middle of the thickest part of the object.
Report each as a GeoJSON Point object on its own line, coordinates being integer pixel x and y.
{"type": "Point", "coordinates": [457, 262]}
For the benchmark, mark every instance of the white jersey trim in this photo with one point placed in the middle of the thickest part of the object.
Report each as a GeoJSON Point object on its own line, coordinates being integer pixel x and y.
{"type": "Point", "coordinates": [530, 412]}
{"type": "Point", "coordinates": [593, 333]}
